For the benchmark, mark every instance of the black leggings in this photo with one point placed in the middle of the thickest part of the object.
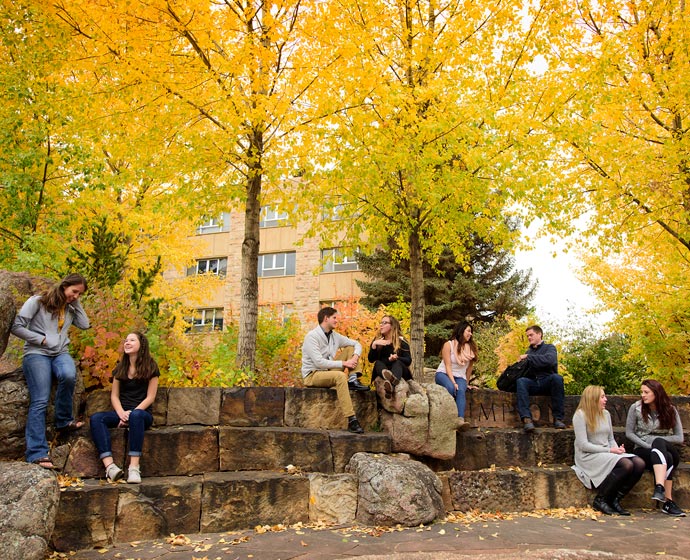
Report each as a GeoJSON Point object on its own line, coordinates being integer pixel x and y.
{"type": "Point", "coordinates": [400, 370]}
{"type": "Point", "coordinates": [623, 477]}
{"type": "Point", "coordinates": [661, 453]}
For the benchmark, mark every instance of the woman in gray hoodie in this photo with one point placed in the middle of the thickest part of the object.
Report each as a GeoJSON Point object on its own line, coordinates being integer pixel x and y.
{"type": "Point", "coordinates": [43, 323]}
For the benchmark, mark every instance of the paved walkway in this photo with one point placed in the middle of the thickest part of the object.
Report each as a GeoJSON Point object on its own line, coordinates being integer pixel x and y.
{"type": "Point", "coordinates": [565, 534]}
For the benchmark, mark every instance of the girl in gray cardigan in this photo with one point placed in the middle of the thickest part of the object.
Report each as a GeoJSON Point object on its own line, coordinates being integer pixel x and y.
{"type": "Point", "coordinates": [599, 461]}
{"type": "Point", "coordinates": [43, 323]}
{"type": "Point", "coordinates": [653, 425]}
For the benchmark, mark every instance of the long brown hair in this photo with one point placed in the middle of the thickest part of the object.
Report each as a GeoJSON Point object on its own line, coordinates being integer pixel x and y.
{"type": "Point", "coordinates": [458, 334]}
{"type": "Point", "coordinates": [589, 405]}
{"type": "Point", "coordinates": [54, 299]}
{"type": "Point", "coordinates": [145, 365]}
{"type": "Point", "coordinates": [664, 408]}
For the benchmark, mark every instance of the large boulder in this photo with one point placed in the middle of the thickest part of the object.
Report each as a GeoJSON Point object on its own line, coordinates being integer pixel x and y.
{"type": "Point", "coordinates": [395, 490]}
{"type": "Point", "coordinates": [421, 419]}
{"type": "Point", "coordinates": [29, 497]}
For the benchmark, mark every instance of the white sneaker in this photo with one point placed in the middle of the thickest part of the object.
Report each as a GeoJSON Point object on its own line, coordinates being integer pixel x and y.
{"type": "Point", "coordinates": [113, 473]}
{"type": "Point", "coordinates": [133, 475]}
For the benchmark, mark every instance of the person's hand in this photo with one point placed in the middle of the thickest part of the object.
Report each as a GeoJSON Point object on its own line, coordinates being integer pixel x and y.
{"type": "Point", "coordinates": [522, 357]}
{"type": "Point", "coordinates": [392, 357]}
{"type": "Point", "coordinates": [455, 388]}
{"type": "Point", "coordinates": [351, 363]}
{"type": "Point", "coordinates": [618, 450]}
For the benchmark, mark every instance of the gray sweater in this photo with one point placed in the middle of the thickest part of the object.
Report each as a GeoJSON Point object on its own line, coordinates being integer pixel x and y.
{"type": "Point", "coordinates": [33, 324]}
{"type": "Point", "coordinates": [318, 350]}
{"type": "Point", "coordinates": [642, 433]}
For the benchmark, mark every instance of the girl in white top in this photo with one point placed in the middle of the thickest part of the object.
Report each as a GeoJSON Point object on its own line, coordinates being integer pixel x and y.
{"type": "Point", "coordinates": [458, 356]}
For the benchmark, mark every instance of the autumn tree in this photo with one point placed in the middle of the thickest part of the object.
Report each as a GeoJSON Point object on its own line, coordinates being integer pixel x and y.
{"type": "Point", "coordinates": [221, 85]}
{"type": "Point", "coordinates": [487, 289]}
{"type": "Point", "coordinates": [430, 119]}
{"type": "Point", "coordinates": [617, 110]}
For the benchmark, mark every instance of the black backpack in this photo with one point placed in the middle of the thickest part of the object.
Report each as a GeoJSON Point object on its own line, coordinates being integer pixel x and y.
{"type": "Point", "coordinates": [508, 380]}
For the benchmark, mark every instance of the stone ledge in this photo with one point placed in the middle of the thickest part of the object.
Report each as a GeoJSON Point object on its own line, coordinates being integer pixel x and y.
{"type": "Point", "coordinates": [101, 513]}
{"type": "Point", "coordinates": [193, 450]}
{"type": "Point", "coordinates": [549, 486]}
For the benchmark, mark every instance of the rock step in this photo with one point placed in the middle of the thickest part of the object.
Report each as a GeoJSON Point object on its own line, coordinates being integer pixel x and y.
{"type": "Point", "coordinates": [503, 447]}
{"type": "Point", "coordinates": [194, 450]}
{"type": "Point", "coordinates": [544, 487]}
{"type": "Point", "coordinates": [97, 513]}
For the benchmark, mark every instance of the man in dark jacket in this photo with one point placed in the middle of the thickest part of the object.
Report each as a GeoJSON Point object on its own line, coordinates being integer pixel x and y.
{"type": "Point", "coordinates": [542, 379]}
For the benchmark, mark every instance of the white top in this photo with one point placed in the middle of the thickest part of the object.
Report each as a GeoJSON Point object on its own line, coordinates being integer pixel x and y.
{"type": "Point", "coordinates": [459, 370]}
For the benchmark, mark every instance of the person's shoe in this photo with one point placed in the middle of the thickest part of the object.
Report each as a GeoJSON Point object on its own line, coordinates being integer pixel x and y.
{"type": "Point", "coordinates": [659, 494]}
{"type": "Point", "coordinates": [617, 507]}
{"type": "Point", "coordinates": [671, 508]}
{"type": "Point", "coordinates": [113, 473]}
{"type": "Point", "coordinates": [354, 427]}
{"type": "Point", "coordinates": [461, 425]}
{"type": "Point", "coordinates": [559, 424]}
{"type": "Point", "coordinates": [388, 376]}
{"type": "Point", "coordinates": [600, 504]}
{"type": "Point", "coordinates": [133, 475]}
{"type": "Point", "coordinates": [357, 386]}
{"type": "Point", "coordinates": [528, 426]}
{"type": "Point", "coordinates": [388, 389]}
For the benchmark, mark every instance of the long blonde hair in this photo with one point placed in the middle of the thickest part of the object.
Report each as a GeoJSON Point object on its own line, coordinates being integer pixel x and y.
{"type": "Point", "coordinates": [395, 333]}
{"type": "Point", "coordinates": [589, 405]}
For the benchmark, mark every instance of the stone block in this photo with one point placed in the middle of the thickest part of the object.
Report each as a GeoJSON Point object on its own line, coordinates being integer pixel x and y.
{"type": "Point", "coordinates": [194, 405]}
{"type": "Point", "coordinates": [332, 498]}
{"type": "Point", "coordinates": [86, 516]}
{"type": "Point", "coordinates": [83, 461]}
{"type": "Point", "coordinates": [492, 490]}
{"type": "Point", "coordinates": [160, 507]}
{"type": "Point", "coordinates": [345, 444]}
{"type": "Point", "coordinates": [252, 406]}
{"type": "Point", "coordinates": [487, 408]}
{"type": "Point", "coordinates": [234, 501]}
{"type": "Point", "coordinates": [180, 450]}
{"type": "Point", "coordinates": [247, 449]}
{"type": "Point", "coordinates": [14, 404]}
{"type": "Point", "coordinates": [318, 408]}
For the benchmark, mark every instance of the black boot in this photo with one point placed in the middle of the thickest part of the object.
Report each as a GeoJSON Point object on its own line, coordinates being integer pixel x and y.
{"type": "Point", "coordinates": [353, 425]}
{"type": "Point", "coordinates": [616, 504]}
{"type": "Point", "coordinates": [600, 504]}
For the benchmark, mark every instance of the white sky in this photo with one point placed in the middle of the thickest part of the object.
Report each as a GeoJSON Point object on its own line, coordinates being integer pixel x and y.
{"type": "Point", "coordinates": [561, 298]}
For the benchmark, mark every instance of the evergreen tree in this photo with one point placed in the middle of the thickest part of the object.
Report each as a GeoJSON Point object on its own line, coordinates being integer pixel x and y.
{"type": "Point", "coordinates": [489, 287]}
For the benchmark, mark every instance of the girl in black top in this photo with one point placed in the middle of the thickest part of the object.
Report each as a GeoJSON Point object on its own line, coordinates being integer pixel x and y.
{"type": "Point", "coordinates": [390, 354]}
{"type": "Point", "coordinates": [135, 383]}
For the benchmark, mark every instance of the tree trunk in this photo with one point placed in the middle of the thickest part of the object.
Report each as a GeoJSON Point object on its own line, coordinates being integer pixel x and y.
{"type": "Point", "coordinates": [249, 282]}
{"type": "Point", "coordinates": [417, 306]}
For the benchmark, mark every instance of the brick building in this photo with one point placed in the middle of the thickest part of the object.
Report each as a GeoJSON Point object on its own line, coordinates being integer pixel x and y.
{"type": "Point", "coordinates": [295, 273]}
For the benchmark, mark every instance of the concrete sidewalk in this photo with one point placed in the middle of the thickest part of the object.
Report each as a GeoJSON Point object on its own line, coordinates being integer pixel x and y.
{"type": "Point", "coordinates": [561, 534]}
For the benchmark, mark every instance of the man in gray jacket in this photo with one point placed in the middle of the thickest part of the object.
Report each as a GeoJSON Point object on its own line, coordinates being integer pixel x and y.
{"type": "Point", "coordinates": [320, 369]}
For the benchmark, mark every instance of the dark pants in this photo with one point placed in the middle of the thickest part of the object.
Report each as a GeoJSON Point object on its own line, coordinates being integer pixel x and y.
{"type": "Point", "coordinates": [661, 453]}
{"type": "Point", "coordinates": [544, 385]}
{"type": "Point", "coordinates": [400, 370]}
{"type": "Point", "coordinates": [101, 422]}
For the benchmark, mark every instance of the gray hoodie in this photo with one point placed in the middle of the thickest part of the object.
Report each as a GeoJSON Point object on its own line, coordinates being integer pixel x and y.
{"type": "Point", "coordinates": [33, 323]}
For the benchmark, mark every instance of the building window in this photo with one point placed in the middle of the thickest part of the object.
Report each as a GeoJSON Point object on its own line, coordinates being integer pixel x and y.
{"type": "Point", "coordinates": [215, 225]}
{"type": "Point", "coordinates": [339, 260]}
{"type": "Point", "coordinates": [272, 217]}
{"type": "Point", "coordinates": [209, 266]}
{"type": "Point", "coordinates": [207, 320]}
{"type": "Point", "coordinates": [332, 213]}
{"type": "Point", "coordinates": [276, 264]}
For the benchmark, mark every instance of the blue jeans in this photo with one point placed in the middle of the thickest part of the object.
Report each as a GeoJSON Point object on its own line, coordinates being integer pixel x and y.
{"type": "Point", "coordinates": [38, 372]}
{"type": "Point", "coordinates": [101, 422]}
{"type": "Point", "coordinates": [459, 395]}
{"type": "Point", "coordinates": [546, 385]}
